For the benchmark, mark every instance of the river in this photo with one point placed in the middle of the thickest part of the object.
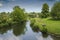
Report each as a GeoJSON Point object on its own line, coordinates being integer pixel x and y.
{"type": "Point", "coordinates": [23, 32]}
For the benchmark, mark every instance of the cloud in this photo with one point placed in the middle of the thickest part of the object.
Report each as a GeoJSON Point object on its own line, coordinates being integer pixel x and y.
{"type": "Point", "coordinates": [1, 4]}
{"type": "Point", "coordinates": [49, 0]}
{"type": "Point", "coordinates": [57, 0]}
{"type": "Point", "coordinates": [7, 0]}
{"type": "Point", "coordinates": [11, 0]}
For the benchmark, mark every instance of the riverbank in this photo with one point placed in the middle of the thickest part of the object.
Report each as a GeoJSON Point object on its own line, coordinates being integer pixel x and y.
{"type": "Point", "coordinates": [52, 26]}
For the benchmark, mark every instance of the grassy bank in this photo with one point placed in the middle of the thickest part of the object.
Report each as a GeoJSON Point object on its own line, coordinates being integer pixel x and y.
{"type": "Point", "coordinates": [53, 26]}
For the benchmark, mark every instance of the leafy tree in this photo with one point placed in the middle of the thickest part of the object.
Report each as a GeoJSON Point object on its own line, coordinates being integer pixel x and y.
{"type": "Point", "coordinates": [3, 17]}
{"type": "Point", "coordinates": [32, 14]}
{"type": "Point", "coordinates": [55, 11]}
{"type": "Point", "coordinates": [18, 14]}
{"type": "Point", "coordinates": [45, 10]}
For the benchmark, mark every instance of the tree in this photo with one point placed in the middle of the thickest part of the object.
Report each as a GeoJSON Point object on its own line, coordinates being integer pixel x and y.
{"type": "Point", "coordinates": [32, 15]}
{"type": "Point", "coordinates": [18, 14]}
{"type": "Point", "coordinates": [3, 17]}
{"type": "Point", "coordinates": [45, 10]}
{"type": "Point", "coordinates": [55, 11]}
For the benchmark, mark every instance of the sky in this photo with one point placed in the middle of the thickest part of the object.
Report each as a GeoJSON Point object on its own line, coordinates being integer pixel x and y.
{"type": "Point", "coordinates": [28, 5]}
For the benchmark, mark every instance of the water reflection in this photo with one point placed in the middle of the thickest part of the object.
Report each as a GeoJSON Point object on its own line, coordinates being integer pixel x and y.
{"type": "Point", "coordinates": [35, 29]}
{"type": "Point", "coordinates": [43, 36]}
{"type": "Point", "coordinates": [55, 38]}
{"type": "Point", "coordinates": [19, 29]}
{"type": "Point", "coordinates": [20, 32]}
{"type": "Point", "coordinates": [5, 29]}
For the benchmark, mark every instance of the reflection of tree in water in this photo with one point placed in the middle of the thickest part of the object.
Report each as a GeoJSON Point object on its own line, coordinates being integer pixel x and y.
{"type": "Point", "coordinates": [35, 29]}
{"type": "Point", "coordinates": [45, 35]}
{"type": "Point", "coordinates": [18, 29]}
{"type": "Point", "coordinates": [4, 29]}
{"type": "Point", "coordinates": [55, 38]}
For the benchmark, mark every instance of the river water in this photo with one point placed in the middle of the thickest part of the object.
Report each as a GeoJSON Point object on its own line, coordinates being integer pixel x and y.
{"type": "Point", "coordinates": [23, 32]}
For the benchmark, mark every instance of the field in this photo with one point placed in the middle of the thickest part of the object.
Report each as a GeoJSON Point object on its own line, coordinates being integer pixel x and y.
{"type": "Point", "coordinates": [53, 26]}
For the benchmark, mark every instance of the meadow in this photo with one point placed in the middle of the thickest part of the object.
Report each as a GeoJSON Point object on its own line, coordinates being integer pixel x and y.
{"type": "Point", "coordinates": [52, 26]}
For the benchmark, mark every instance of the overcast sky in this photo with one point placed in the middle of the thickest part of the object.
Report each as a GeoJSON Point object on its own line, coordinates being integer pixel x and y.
{"type": "Point", "coordinates": [29, 5]}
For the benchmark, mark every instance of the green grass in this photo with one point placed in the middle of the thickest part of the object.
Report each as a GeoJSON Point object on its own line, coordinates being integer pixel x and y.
{"type": "Point", "coordinates": [53, 26]}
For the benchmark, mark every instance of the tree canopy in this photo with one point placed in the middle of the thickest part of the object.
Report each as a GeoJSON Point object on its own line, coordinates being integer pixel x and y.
{"type": "Point", "coordinates": [55, 11]}
{"type": "Point", "coordinates": [45, 10]}
{"type": "Point", "coordinates": [18, 14]}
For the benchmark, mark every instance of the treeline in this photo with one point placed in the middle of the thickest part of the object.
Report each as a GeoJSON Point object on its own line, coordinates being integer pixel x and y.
{"type": "Point", "coordinates": [16, 16]}
{"type": "Point", "coordinates": [53, 14]}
